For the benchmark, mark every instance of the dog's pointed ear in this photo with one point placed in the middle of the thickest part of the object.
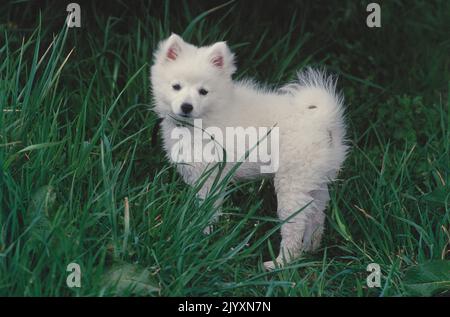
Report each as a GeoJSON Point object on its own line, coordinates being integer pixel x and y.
{"type": "Point", "coordinates": [222, 58]}
{"type": "Point", "coordinates": [173, 47]}
{"type": "Point", "coordinates": [170, 49]}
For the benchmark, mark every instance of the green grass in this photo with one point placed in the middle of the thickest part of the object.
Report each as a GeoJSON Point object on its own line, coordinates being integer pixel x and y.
{"type": "Point", "coordinates": [76, 142]}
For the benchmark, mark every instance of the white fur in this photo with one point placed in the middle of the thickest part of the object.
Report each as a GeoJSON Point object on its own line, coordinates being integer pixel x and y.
{"type": "Point", "coordinates": [308, 112]}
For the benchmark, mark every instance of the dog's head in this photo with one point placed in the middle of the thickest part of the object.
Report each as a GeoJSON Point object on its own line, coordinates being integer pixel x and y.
{"type": "Point", "coordinates": [188, 81]}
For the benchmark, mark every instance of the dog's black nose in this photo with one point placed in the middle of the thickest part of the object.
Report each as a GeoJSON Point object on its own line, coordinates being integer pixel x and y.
{"type": "Point", "coordinates": [186, 108]}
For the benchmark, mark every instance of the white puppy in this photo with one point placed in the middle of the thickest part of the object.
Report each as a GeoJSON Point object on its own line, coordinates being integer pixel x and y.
{"type": "Point", "coordinates": [190, 82]}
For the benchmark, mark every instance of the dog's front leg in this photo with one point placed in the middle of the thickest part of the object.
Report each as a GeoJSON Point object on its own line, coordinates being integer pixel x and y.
{"type": "Point", "coordinates": [202, 194]}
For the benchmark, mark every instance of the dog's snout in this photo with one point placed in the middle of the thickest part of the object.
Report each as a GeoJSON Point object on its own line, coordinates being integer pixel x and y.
{"type": "Point", "coordinates": [186, 108]}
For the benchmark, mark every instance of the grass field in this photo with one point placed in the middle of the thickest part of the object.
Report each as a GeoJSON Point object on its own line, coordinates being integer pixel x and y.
{"type": "Point", "coordinates": [81, 181]}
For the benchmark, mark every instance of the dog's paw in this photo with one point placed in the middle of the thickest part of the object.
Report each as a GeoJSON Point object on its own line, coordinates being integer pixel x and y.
{"type": "Point", "coordinates": [208, 230]}
{"type": "Point", "coordinates": [269, 265]}
{"type": "Point", "coordinates": [272, 265]}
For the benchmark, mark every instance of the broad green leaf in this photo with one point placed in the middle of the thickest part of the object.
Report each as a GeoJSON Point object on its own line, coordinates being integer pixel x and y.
{"type": "Point", "coordinates": [42, 202]}
{"type": "Point", "coordinates": [130, 279]}
{"type": "Point", "coordinates": [38, 146]}
{"type": "Point", "coordinates": [428, 279]}
{"type": "Point", "coordinates": [439, 195]}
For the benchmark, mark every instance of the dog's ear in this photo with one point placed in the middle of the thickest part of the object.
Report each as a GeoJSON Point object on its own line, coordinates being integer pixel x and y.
{"type": "Point", "coordinates": [222, 58]}
{"type": "Point", "coordinates": [170, 49]}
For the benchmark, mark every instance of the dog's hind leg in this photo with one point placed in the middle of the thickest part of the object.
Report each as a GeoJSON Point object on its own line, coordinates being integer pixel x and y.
{"type": "Point", "coordinates": [296, 207]}
{"type": "Point", "coordinates": [302, 210]}
{"type": "Point", "coordinates": [315, 226]}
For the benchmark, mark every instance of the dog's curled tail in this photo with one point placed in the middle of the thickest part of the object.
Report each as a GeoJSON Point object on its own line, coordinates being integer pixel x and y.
{"type": "Point", "coordinates": [315, 92]}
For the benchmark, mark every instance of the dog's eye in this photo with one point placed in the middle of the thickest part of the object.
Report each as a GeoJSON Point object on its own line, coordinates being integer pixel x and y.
{"type": "Point", "coordinates": [176, 87]}
{"type": "Point", "coordinates": [203, 92]}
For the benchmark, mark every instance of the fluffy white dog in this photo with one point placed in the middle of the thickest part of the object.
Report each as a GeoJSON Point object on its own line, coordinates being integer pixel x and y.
{"type": "Point", "coordinates": [190, 82]}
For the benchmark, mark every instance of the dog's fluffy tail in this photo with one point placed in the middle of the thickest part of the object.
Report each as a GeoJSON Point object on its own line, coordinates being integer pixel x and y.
{"type": "Point", "coordinates": [316, 91]}
{"type": "Point", "coordinates": [315, 94]}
